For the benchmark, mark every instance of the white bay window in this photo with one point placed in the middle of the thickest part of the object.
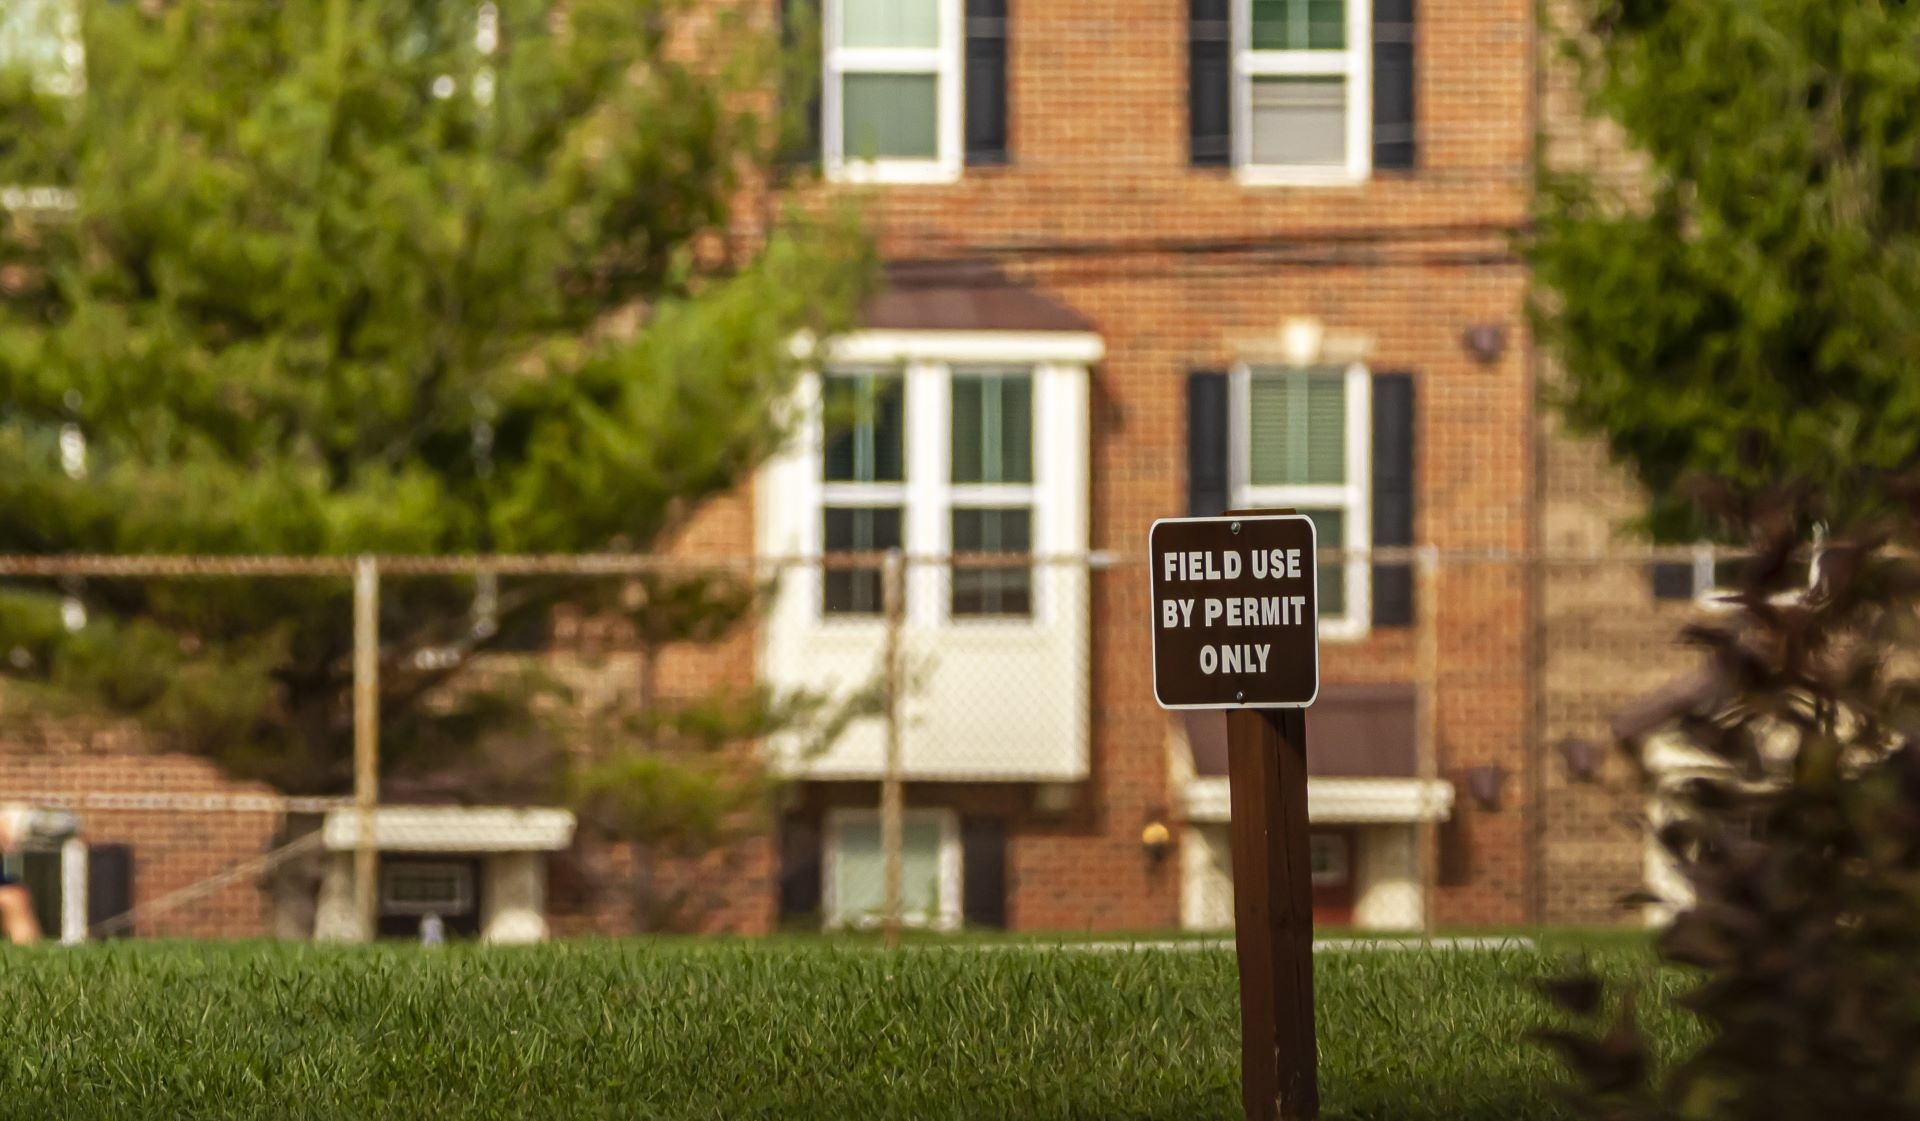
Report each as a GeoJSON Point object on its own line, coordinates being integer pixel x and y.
{"type": "Point", "coordinates": [941, 444]}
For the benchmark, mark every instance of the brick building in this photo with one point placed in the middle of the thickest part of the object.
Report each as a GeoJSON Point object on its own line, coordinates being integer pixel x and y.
{"type": "Point", "coordinates": [1145, 258]}
{"type": "Point", "coordinates": [1243, 275]}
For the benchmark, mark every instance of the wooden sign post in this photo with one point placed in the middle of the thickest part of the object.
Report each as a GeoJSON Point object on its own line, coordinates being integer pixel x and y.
{"type": "Point", "coordinates": [1235, 625]}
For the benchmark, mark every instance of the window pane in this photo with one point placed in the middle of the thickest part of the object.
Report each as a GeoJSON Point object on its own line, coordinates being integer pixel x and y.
{"type": "Point", "coordinates": [993, 591]}
{"type": "Point", "coordinates": [1299, 25]}
{"type": "Point", "coordinates": [859, 878]}
{"type": "Point", "coordinates": [865, 417]}
{"type": "Point", "coordinates": [889, 23]}
{"type": "Point", "coordinates": [993, 428]}
{"type": "Point", "coordinates": [1331, 527]}
{"type": "Point", "coordinates": [1299, 122]}
{"type": "Point", "coordinates": [1297, 429]}
{"type": "Point", "coordinates": [889, 116]}
{"type": "Point", "coordinates": [1327, 858]}
{"type": "Point", "coordinates": [858, 529]}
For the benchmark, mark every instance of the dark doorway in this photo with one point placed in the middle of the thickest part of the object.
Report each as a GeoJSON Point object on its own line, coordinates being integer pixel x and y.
{"type": "Point", "coordinates": [411, 888]}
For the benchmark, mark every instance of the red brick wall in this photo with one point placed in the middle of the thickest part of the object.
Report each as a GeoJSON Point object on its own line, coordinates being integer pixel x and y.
{"type": "Point", "coordinates": [1606, 641]}
{"type": "Point", "coordinates": [175, 845]}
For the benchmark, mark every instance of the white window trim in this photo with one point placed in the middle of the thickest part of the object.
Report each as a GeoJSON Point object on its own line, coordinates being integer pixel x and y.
{"type": "Point", "coordinates": [928, 496]}
{"type": "Point", "coordinates": [1355, 496]}
{"type": "Point", "coordinates": [945, 62]}
{"type": "Point", "coordinates": [73, 891]}
{"type": "Point", "coordinates": [1335, 801]}
{"type": "Point", "coordinates": [463, 879]}
{"type": "Point", "coordinates": [845, 494]}
{"type": "Point", "coordinates": [949, 907]}
{"type": "Point", "coordinates": [1355, 63]}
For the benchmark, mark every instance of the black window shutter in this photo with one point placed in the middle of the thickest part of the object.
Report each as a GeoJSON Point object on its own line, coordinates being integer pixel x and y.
{"type": "Point", "coordinates": [983, 872]}
{"type": "Point", "coordinates": [800, 30]}
{"type": "Point", "coordinates": [1393, 496]}
{"type": "Point", "coordinates": [1206, 444]}
{"type": "Point", "coordinates": [986, 82]}
{"type": "Point", "coordinates": [1393, 85]}
{"type": "Point", "coordinates": [800, 868]}
{"type": "Point", "coordinates": [109, 886]}
{"type": "Point", "coordinates": [1209, 83]}
{"type": "Point", "coordinates": [1671, 579]}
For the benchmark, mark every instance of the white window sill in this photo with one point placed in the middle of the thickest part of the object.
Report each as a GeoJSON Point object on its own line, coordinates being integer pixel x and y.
{"type": "Point", "coordinates": [1268, 176]}
{"type": "Point", "coordinates": [894, 174]}
{"type": "Point", "coordinates": [1344, 630]}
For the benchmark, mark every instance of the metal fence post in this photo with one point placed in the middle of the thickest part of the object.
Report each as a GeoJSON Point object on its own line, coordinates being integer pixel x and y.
{"type": "Point", "coordinates": [1426, 734]}
{"type": "Point", "coordinates": [892, 810]}
{"type": "Point", "coordinates": [366, 739]}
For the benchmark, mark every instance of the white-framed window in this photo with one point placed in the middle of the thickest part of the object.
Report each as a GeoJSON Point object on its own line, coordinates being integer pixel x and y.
{"type": "Point", "coordinates": [991, 503]}
{"type": "Point", "coordinates": [44, 36]}
{"type": "Point", "coordinates": [420, 887]}
{"type": "Point", "coordinates": [854, 869]}
{"type": "Point", "coordinates": [1302, 438]}
{"type": "Point", "coordinates": [930, 457]}
{"type": "Point", "coordinates": [891, 96]}
{"type": "Point", "coordinates": [863, 481]}
{"type": "Point", "coordinates": [1302, 90]}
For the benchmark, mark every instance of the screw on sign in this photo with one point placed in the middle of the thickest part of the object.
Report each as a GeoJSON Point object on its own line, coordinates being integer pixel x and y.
{"type": "Point", "coordinates": [1236, 627]}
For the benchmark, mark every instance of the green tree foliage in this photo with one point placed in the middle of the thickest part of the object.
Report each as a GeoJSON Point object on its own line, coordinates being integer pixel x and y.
{"type": "Point", "coordinates": [1752, 312]}
{"type": "Point", "coordinates": [393, 277]}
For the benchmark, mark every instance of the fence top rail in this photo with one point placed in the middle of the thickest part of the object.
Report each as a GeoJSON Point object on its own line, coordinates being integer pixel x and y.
{"type": "Point", "coordinates": [617, 564]}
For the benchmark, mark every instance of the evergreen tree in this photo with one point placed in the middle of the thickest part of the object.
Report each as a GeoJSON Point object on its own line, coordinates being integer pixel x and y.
{"type": "Point", "coordinates": [1750, 310]}
{"type": "Point", "coordinates": [393, 277]}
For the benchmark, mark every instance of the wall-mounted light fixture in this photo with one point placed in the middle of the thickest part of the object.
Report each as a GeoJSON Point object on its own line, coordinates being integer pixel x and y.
{"type": "Point", "coordinates": [1484, 783]}
{"type": "Point", "coordinates": [1301, 339]}
{"type": "Point", "coordinates": [1582, 757]}
{"type": "Point", "coordinates": [1485, 341]}
{"type": "Point", "coordinates": [1156, 839]}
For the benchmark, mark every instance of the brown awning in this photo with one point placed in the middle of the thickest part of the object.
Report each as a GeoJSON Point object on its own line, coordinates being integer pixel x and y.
{"type": "Point", "coordinates": [964, 296]}
{"type": "Point", "coordinates": [1353, 731]}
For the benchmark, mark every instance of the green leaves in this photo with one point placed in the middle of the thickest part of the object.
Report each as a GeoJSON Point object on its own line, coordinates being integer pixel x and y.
{"type": "Point", "coordinates": [1748, 313]}
{"type": "Point", "coordinates": [351, 276]}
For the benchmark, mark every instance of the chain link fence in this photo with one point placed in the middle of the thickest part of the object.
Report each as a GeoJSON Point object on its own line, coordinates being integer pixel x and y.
{"type": "Point", "coordinates": [857, 741]}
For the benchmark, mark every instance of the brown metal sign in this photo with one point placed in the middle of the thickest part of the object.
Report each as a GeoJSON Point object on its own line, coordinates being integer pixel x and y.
{"type": "Point", "coordinates": [1235, 611]}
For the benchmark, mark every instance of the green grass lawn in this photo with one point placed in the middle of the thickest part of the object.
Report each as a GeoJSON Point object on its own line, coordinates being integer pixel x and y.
{"type": "Point", "coordinates": [772, 1029]}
